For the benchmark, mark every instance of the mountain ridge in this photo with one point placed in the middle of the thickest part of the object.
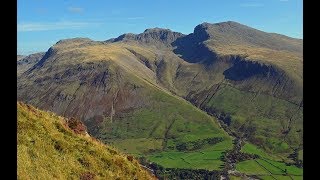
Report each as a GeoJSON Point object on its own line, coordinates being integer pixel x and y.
{"type": "Point", "coordinates": [118, 86]}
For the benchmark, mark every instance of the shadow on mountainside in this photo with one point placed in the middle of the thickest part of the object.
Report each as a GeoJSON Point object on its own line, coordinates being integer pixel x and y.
{"type": "Point", "coordinates": [192, 49]}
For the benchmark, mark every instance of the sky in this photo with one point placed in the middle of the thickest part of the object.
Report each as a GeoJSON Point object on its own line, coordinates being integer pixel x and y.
{"type": "Point", "coordinates": [41, 23]}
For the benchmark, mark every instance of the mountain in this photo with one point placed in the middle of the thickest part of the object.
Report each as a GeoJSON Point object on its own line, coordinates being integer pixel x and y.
{"type": "Point", "coordinates": [53, 147]}
{"type": "Point", "coordinates": [25, 62]}
{"type": "Point", "coordinates": [256, 77]}
{"type": "Point", "coordinates": [118, 98]}
{"type": "Point", "coordinates": [20, 57]}
{"type": "Point", "coordinates": [146, 93]}
{"type": "Point", "coordinates": [157, 37]}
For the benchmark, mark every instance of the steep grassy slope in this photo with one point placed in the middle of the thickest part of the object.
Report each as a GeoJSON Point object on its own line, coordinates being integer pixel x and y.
{"type": "Point", "coordinates": [49, 149]}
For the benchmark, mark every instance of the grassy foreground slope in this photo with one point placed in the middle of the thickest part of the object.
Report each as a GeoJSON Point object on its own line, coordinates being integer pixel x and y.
{"type": "Point", "coordinates": [48, 149]}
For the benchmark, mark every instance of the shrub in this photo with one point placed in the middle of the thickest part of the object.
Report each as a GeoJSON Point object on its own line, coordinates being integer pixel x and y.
{"type": "Point", "coordinates": [77, 126]}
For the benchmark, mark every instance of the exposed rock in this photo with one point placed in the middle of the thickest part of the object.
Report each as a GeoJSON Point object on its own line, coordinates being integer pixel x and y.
{"type": "Point", "coordinates": [155, 36]}
{"type": "Point", "coordinates": [26, 62]}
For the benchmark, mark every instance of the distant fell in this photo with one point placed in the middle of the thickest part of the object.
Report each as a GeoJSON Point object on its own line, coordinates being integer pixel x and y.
{"type": "Point", "coordinates": [25, 62]}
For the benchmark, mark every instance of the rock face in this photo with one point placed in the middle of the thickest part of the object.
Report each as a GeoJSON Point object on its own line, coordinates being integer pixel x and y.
{"type": "Point", "coordinates": [158, 37]}
{"type": "Point", "coordinates": [20, 57]}
{"type": "Point", "coordinates": [26, 62]}
{"type": "Point", "coordinates": [223, 68]}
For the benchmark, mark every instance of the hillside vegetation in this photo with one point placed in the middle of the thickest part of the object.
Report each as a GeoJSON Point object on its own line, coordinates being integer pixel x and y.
{"type": "Point", "coordinates": [49, 149]}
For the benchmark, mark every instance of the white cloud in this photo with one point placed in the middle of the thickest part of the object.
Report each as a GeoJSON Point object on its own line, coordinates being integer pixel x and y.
{"type": "Point", "coordinates": [75, 9]}
{"type": "Point", "coordinates": [35, 26]}
{"type": "Point", "coordinates": [251, 5]}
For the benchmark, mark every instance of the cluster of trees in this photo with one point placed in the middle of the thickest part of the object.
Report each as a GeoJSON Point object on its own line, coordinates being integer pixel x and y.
{"type": "Point", "coordinates": [222, 116]}
{"type": "Point", "coordinates": [189, 174]}
{"type": "Point", "coordinates": [237, 156]}
{"type": "Point", "coordinates": [195, 145]}
{"type": "Point", "coordinates": [294, 156]}
{"type": "Point", "coordinates": [248, 130]}
{"type": "Point", "coordinates": [175, 173]}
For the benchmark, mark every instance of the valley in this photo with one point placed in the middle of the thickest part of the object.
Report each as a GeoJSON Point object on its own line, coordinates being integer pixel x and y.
{"type": "Point", "coordinates": [225, 99]}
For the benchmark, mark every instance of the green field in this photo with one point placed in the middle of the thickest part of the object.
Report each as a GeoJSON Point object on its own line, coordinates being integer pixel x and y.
{"type": "Point", "coordinates": [280, 177]}
{"type": "Point", "coordinates": [267, 164]}
{"type": "Point", "coordinates": [251, 167]}
{"type": "Point", "coordinates": [235, 178]}
{"type": "Point", "coordinates": [209, 160]}
{"type": "Point", "coordinates": [269, 115]}
{"type": "Point", "coordinates": [292, 170]}
{"type": "Point", "coordinates": [222, 146]}
{"type": "Point", "coordinates": [253, 149]}
{"type": "Point", "coordinates": [136, 146]}
{"type": "Point", "coordinates": [271, 167]}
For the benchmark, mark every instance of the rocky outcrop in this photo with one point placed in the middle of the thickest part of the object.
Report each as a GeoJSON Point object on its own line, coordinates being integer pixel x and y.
{"type": "Point", "coordinates": [20, 57]}
{"type": "Point", "coordinates": [155, 36]}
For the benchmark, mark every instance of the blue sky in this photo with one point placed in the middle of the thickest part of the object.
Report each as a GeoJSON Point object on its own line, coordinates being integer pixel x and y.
{"type": "Point", "coordinates": [41, 23]}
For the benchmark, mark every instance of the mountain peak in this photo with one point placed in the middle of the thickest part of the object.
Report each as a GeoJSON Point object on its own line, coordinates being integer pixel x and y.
{"type": "Point", "coordinates": [156, 36]}
{"type": "Point", "coordinates": [221, 26]}
{"type": "Point", "coordinates": [74, 40]}
{"type": "Point", "coordinates": [156, 29]}
{"type": "Point", "coordinates": [126, 36]}
{"type": "Point", "coordinates": [230, 32]}
{"type": "Point", "coordinates": [225, 23]}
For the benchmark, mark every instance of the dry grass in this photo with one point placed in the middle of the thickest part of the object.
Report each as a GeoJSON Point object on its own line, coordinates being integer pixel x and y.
{"type": "Point", "coordinates": [47, 149]}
